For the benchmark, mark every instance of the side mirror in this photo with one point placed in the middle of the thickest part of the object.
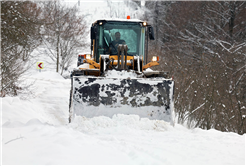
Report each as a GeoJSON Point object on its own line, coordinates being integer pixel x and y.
{"type": "Point", "coordinates": [151, 33]}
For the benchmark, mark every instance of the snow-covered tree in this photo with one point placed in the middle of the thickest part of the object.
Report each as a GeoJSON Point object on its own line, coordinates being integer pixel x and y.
{"type": "Point", "coordinates": [20, 26]}
{"type": "Point", "coordinates": [202, 44]}
{"type": "Point", "coordinates": [64, 33]}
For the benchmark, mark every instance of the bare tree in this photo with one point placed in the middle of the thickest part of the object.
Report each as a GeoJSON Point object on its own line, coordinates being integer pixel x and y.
{"type": "Point", "coordinates": [20, 26]}
{"type": "Point", "coordinates": [203, 47]}
{"type": "Point", "coordinates": [64, 33]}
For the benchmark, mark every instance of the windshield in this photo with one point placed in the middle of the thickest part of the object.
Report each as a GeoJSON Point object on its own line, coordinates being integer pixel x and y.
{"type": "Point", "coordinates": [113, 33]}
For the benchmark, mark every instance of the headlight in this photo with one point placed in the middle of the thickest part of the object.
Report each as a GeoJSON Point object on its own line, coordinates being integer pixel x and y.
{"type": "Point", "coordinates": [144, 23]}
{"type": "Point", "coordinates": [154, 58]}
{"type": "Point", "coordinates": [88, 56]}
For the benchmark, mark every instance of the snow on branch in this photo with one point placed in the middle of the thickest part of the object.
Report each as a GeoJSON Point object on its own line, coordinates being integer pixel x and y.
{"type": "Point", "coordinates": [188, 114]}
{"type": "Point", "coordinates": [220, 42]}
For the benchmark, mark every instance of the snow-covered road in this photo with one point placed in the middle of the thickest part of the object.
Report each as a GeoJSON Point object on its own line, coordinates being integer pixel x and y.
{"type": "Point", "coordinates": [36, 131]}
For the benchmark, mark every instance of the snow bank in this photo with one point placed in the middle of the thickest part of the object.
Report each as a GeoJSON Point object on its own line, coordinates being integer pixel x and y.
{"type": "Point", "coordinates": [46, 75]}
{"type": "Point", "coordinates": [36, 131]}
{"type": "Point", "coordinates": [119, 122]}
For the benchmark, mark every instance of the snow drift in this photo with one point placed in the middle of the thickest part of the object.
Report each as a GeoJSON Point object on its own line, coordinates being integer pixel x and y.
{"type": "Point", "coordinates": [36, 131]}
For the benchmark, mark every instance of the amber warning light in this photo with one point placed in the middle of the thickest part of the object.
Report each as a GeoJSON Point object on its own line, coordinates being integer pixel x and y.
{"type": "Point", "coordinates": [128, 17]}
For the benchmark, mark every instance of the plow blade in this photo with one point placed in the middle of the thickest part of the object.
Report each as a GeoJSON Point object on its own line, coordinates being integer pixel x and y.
{"type": "Point", "coordinates": [100, 96]}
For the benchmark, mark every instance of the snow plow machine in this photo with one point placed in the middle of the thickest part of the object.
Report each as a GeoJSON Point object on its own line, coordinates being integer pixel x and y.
{"type": "Point", "coordinates": [115, 77]}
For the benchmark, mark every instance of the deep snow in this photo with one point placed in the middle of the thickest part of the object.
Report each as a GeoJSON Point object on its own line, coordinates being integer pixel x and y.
{"type": "Point", "coordinates": [35, 130]}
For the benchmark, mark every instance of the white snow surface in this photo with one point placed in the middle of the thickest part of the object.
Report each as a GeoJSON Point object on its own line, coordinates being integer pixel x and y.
{"type": "Point", "coordinates": [120, 74]}
{"type": "Point", "coordinates": [35, 128]}
{"type": "Point", "coordinates": [36, 131]}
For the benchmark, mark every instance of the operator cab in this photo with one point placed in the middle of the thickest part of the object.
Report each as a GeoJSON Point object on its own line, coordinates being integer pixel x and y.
{"type": "Point", "coordinates": [132, 33]}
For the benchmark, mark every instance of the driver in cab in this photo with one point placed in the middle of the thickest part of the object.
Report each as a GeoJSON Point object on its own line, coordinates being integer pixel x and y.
{"type": "Point", "coordinates": [116, 42]}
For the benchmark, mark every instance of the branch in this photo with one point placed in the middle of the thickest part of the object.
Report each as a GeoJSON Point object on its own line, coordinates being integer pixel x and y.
{"type": "Point", "coordinates": [14, 139]}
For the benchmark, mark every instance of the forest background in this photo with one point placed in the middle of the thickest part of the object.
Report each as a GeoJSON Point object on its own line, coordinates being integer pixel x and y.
{"type": "Point", "coordinates": [202, 44]}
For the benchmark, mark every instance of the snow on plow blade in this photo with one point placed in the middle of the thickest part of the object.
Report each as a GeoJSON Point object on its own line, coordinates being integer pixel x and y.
{"type": "Point", "coordinates": [100, 96]}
